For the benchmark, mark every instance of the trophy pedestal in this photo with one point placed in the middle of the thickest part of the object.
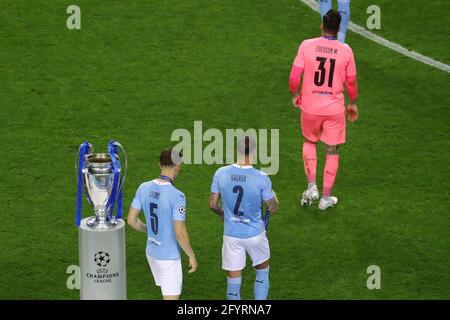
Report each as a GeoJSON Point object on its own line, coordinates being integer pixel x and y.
{"type": "Point", "coordinates": [102, 262]}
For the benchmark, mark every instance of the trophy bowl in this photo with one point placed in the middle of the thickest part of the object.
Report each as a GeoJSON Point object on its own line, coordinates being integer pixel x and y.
{"type": "Point", "coordinates": [98, 181]}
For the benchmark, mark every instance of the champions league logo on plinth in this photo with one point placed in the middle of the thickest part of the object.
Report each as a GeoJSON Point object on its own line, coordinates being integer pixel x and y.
{"type": "Point", "coordinates": [102, 275]}
{"type": "Point", "coordinates": [102, 259]}
{"type": "Point", "coordinates": [101, 237]}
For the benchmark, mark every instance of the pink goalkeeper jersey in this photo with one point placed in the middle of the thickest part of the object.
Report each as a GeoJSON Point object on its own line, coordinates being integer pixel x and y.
{"type": "Point", "coordinates": [327, 65]}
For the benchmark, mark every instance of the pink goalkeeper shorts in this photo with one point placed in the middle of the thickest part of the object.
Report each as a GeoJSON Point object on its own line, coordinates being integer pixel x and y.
{"type": "Point", "coordinates": [328, 129]}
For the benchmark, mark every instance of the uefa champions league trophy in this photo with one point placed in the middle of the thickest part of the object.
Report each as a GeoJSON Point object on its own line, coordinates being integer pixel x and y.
{"type": "Point", "coordinates": [101, 237]}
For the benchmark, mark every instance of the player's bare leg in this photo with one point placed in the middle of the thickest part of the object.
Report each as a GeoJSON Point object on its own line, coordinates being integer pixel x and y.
{"type": "Point", "coordinates": [234, 285]}
{"type": "Point", "coordinates": [310, 164]}
{"type": "Point", "coordinates": [261, 288]}
{"type": "Point", "coordinates": [329, 176]}
{"type": "Point", "coordinates": [171, 297]}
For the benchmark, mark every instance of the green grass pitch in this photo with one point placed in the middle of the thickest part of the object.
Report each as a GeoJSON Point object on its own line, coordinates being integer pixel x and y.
{"type": "Point", "coordinates": [137, 70]}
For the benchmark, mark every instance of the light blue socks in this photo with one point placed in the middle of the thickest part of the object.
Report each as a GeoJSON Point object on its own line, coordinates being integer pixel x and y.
{"type": "Point", "coordinates": [344, 10]}
{"type": "Point", "coordinates": [261, 288]}
{"type": "Point", "coordinates": [234, 288]}
{"type": "Point", "coordinates": [325, 6]}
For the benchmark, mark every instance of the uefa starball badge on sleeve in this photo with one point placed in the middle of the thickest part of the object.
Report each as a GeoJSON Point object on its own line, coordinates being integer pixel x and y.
{"type": "Point", "coordinates": [101, 237]}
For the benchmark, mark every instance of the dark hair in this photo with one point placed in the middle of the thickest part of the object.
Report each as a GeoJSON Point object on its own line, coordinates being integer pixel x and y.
{"type": "Point", "coordinates": [331, 21]}
{"type": "Point", "coordinates": [170, 157]}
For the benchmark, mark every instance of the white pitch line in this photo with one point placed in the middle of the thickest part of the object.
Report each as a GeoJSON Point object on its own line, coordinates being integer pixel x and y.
{"type": "Point", "coordinates": [389, 44]}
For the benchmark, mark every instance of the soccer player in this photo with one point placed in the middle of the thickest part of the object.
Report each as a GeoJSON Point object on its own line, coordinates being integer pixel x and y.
{"type": "Point", "coordinates": [165, 211]}
{"type": "Point", "coordinates": [344, 10]}
{"type": "Point", "coordinates": [328, 65]}
{"type": "Point", "coordinates": [243, 190]}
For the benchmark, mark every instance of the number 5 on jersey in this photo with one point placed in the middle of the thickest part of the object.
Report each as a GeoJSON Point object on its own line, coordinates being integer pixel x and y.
{"type": "Point", "coordinates": [153, 218]}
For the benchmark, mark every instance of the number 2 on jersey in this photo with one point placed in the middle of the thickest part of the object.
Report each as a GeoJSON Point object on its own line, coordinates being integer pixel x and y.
{"type": "Point", "coordinates": [240, 191]}
{"type": "Point", "coordinates": [319, 76]}
{"type": "Point", "coordinates": [153, 218]}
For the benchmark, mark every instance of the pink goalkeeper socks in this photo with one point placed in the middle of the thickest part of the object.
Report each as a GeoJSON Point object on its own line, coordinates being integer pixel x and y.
{"type": "Point", "coordinates": [310, 161]}
{"type": "Point", "coordinates": [330, 170]}
{"type": "Point", "coordinates": [329, 173]}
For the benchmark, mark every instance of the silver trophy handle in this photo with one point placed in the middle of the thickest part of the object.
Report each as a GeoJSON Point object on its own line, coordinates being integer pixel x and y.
{"type": "Point", "coordinates": [123, 172]}
{"type": "Point", "coordinates": [77, 157]}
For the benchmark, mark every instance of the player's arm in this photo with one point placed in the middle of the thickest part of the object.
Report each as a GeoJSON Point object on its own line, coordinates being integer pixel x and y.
{"type": "Point", "coordinates": [134, 221]}
{"type": "Point", "coordinates": [273, 203]}
{"type": "Point", "coordinates": [295, 76]}
{"type": "Point", "coordinates": [185, 244]}
{"type": "Point", "coordinates": [214, 204]}
{"type": "Point", "coordinates": [215, 196]}
{"type": "Point", "coordinates": [269, 196]}
{"type": "Point", "coordinates": [352, 89]}
{"type": "Point", "coordinates": [294, 79]}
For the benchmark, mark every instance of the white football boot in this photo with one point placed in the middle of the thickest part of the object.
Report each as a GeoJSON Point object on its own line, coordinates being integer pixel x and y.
{"type": "Point", "coordinates": [309, 196]}
{"type": "Point", "coordinates": [324, 204]}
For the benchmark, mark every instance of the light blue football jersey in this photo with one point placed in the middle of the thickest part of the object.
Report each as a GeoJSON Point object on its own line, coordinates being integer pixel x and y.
{"type": "Point", "coordinates": [243, 190]}
{"type": "Point", "coordinates": [162, 203]}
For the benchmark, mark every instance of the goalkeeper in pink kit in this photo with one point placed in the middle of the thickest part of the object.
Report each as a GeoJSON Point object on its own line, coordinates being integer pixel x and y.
{"type": "Point", "coordinates": [327, 66]}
